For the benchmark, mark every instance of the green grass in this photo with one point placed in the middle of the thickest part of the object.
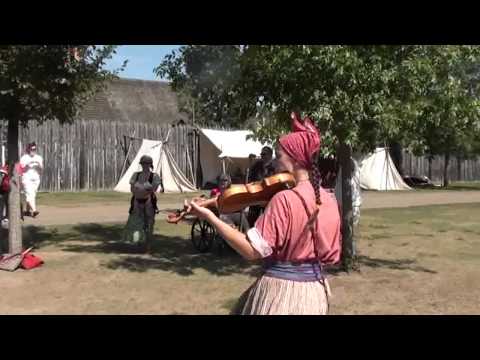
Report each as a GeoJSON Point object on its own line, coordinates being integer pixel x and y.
{"type": "Point", "coordinates": [419, 260]}
{"type": "Point", "coordinates": [376, 224]}
{"type": "Point", "coordinates": [172, 248]}
{"type": "Point", "coordinates": [103, 197]}
{"type": "Point", "coordinates": [111, 197]}
{"type": "Point", "coordinates": [456, 186]}
{"type": "Point", "coordinates": [105, 232]}
{"type": "Point", "coordinates": [467, 185]}
{"type": "Point", "coordinates": [451, 231]}
{"type": "Point", "coordinates": [70, 198]}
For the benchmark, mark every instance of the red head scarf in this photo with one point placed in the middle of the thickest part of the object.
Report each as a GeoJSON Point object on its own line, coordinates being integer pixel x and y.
{"type": "Point", "coordinates": [302, 142]}
{"type": "Point", "coordinates": [301, 145]}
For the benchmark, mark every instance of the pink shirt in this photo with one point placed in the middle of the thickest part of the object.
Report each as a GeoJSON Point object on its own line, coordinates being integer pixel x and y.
{"type": "Point", "coordinates": [278, 231]}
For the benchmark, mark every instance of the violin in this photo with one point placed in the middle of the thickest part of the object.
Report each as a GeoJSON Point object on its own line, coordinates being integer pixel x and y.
{"type": "Point", "coordinates": [237, 197]}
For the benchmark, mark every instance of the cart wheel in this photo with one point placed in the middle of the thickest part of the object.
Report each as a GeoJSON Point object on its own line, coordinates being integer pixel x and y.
{"type": "Point", "coordinates": [202, 235]}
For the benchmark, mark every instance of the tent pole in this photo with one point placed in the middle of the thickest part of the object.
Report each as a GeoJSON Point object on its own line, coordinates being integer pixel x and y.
{"type": "Point", "coordinates": [190, 165]}
{"type": "Point", "coordinates": [159, 168]}
{"type": "Point", "coordinates": [387, 163]}
{"type": "Point", "coordinates": [126, 155]}
{"type": "Point", "coordinates": [168, 135]}
{"type": "Point", "coordinates": [171, 160]}
{"type": "Point", "coordinates": [164, 143]}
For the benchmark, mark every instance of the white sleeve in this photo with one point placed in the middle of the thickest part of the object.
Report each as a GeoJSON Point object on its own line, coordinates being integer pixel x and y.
{"type": "Point", "coordinates": [259, 243]}
{"type": "Point", "coordinates": [40, 161]}
{"type": "Point", "coordinates": [24, 160]}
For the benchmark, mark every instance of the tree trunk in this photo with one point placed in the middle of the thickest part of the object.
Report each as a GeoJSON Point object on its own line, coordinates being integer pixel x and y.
{"type": "Point", "coordinates": [445, 170]}
{"type": "Point", "coordinates": [430, 159]}
{"type": "Point", "coordinates": [14, 223]}
{"type": "Point", "coordinates": [348, 241]}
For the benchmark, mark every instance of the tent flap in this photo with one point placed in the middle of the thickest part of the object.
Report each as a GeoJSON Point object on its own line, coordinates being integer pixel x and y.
{"type": "Point", "coordinates": [173, 178]}
{"type": "Point", "coordinates": [163, 164]}
{"type": "Point", "coordinates": [218, 144]}
{"type": "Point", "coordinates": [378, 172]}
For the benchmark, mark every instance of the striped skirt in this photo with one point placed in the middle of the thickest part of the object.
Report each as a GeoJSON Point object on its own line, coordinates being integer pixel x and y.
{"type": "Point", "coordinates": [274, 296]}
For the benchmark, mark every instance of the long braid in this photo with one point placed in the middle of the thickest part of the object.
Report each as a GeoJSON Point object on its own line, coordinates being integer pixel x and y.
{"type": "Point", "coordinates": [316, 178]}
{"type": "Point", "coordinates": [316, 181]}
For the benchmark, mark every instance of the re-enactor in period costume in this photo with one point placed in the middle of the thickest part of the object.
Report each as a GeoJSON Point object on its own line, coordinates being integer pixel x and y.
{"type": "Point", "coordinates": [32, 165]}
{"type": "Point", "coordinates": [143, 206]}
{"type": "Point", "coordinates": [298, 233]}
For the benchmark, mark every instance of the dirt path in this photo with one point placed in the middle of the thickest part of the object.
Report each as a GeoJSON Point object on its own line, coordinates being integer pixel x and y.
{"type": "Point", "coordinates": [84, 214]}
{"type": "Point", "coordinates": [111, 213]}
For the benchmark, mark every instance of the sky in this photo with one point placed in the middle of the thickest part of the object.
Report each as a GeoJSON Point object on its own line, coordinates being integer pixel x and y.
{"type": "Point", "coordinates": [142, 59]}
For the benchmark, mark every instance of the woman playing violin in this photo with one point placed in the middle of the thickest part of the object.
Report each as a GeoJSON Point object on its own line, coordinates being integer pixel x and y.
{"type": "Point", "coordinates": [297, 234]}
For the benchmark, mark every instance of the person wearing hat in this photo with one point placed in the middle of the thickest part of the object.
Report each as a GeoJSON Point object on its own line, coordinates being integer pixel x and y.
{"type": "Point", "coordinates": [32, 165]}
{"type": "Point", "coordinates": [143, 206]}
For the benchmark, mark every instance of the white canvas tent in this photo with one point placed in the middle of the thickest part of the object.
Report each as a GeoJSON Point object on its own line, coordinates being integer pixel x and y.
{"type": "Point", "coordinates": [173, 180]}
{"type": "Point", "coordinates": [378, 172]}
{"type": "Point", "coordinates": [227, 151]}
{"type": "Point", "coordinates": [375, 171]}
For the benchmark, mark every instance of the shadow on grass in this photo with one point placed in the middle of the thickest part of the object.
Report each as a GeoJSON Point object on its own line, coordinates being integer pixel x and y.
{"type": "Point", "coordinates": [169, 253]}
{"type": "Point", "coordinates": [398, 264]}
{"type": "Point", "coordinates": [369, 262]}
{"type": "Point", "coordinates": [186, 265]}
{"type": "Point", "coordinates": [176, 254]}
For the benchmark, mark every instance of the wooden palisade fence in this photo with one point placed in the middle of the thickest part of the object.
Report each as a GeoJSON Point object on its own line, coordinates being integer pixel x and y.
{"type": "Point", "coordinates": [89, 155]}
{"type": "Point", "coordinates": [459, 169]}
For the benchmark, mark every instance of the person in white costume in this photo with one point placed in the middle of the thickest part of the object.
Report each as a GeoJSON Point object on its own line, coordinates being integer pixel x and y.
{"type": "Point", "coordinates": [32, 165]}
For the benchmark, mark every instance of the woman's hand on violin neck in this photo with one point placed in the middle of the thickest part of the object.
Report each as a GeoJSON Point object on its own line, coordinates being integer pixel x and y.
{"type": "Point", "coordinates": [187, 207]}
{"type": "Point", "coordinates": [201, 212]}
